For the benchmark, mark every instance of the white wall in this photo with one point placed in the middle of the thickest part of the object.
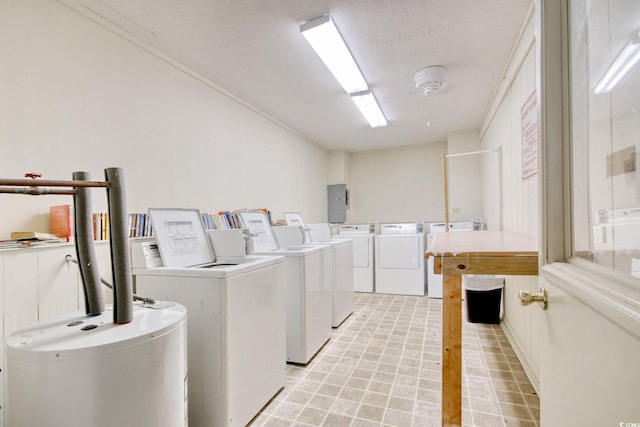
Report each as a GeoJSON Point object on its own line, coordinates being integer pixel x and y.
{"type": "Point", "coordinates": [78, 96]}
{"type": "Point", "coordinates": [463, 176]}
{"type": "Point", "coordinates": [503, 128]}
{"type": "Point", "coordinates": [339, 166]}
{"type": "Point", "coordinates": [406, 183]}
{"type": "Point", "coordinates": [396, 185]}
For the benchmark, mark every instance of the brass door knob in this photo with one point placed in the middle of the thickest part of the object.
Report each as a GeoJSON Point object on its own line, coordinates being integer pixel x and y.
{"type": "Point", "coordinates": [527, 298]}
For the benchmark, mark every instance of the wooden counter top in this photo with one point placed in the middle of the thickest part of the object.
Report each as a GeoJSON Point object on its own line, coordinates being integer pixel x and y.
{"type": "Point", "coordinates": [473, 252]}
{"type": "Point", "coordinates": [482, 243]}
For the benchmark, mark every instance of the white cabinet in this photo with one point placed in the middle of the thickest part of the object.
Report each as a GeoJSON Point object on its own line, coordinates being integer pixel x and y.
{"type": "Point", "coordinates": [20, 302]}
{"type": "Point", "coordinates": [20, 289]}
{"type": "Point", "coordinates": [37, 284]}
{"type": "Point", "coordinates": [58, 290]}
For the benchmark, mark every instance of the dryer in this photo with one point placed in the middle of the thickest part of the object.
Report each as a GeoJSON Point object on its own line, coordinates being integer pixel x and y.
{"type": "Point", "coordinates": [235, 316]}
{"type": "Point", "coordinates": [307, 287]}
{"type": "Point", "coordinates": [341, 253]}
{"type": "Point", "coordinates": [399, 260]}
{"type": "Point", "coordinates": [434, 281]}
{"type": "Point", "coordinates": [362, 237]}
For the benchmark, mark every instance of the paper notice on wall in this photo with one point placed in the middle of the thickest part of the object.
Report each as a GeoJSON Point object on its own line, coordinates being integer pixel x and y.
{"type": "Point", "coordinates": [529, 116]}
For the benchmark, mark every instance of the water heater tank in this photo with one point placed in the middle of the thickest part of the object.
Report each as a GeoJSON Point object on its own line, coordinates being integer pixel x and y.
{"type": "Point", "coordinates": [84, 371]}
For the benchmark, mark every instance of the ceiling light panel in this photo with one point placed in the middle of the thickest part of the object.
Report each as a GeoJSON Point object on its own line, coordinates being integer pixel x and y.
{"type": "Point", "coordinates": [369, 108]}
{"type": "Point", "coordinates": [325, 39]}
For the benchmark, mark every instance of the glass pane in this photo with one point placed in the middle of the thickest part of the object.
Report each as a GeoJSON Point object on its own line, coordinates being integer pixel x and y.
{"type": "Point", "coordinates": [606, 132]}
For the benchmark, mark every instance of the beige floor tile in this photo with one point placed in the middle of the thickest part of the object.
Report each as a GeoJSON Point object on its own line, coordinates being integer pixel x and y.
{"type": "Point", "coordinates": [312, 416]}
{"type": "Point", "coordinates": [375, 399]}
{"type": "Point", "coordinates": [337, 420]}
{"type": "Point", "coordinates": [382, 368]}
{"type": "Point", "coordinates": [371, 413]}
{"type": "Point", "coordinates": [393, 417]}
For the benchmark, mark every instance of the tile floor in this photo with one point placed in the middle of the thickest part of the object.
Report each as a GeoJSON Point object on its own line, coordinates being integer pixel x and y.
{"type": "Point", "coordinates": [382, 368]}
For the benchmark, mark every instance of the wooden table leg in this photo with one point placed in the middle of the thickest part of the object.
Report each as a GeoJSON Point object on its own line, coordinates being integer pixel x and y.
{"type": "Point", "coordinates": [452, 350]}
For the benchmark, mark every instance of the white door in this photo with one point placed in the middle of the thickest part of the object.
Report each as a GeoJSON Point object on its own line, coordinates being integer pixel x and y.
{"type": "Point", "coordinates": [590, 332]}
{"type": "Point", "coordinates": [589, 369]}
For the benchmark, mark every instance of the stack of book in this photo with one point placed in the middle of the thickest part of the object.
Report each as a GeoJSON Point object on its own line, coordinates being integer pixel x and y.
{"type": "Point", "coordinates": [29, 238]}
{"type": "Point", "coordinates": [227, 219]}
{"type": "Point", "coordinates": [140, 225]}
{"type": "Point", "coordinates": [61, 223]}
{"type": "Point", "coordinates": [101, 226]}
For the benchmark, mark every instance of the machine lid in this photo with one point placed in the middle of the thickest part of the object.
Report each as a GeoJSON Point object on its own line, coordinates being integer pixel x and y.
{"type": "Point", "coordinates": [181, 237]}
{"type": "Point", "coordinates": [296, 251]}
{"type": "Point", "coordinates": [293, 218]}
{"type": "Point", "coordinates": [258, 225]}
{"type": "Point", "coordinates": [320, 231]}
{"type": "Point", "coordinates": [223, 268]}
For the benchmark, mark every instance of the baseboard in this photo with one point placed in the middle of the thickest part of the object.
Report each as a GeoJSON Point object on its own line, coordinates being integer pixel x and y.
{"type": "Point", "coordinates": [523, 357]}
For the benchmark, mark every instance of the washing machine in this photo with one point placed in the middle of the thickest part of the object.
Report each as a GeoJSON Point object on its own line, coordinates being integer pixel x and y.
{"type": "Point", "coordinates": [399, 260]}
{"type": "Point", "coordinates": [341, 260]}
{"type": "Point", "coordinates": [236, 315]}
{"type": "Point", "coordinates": [307, 287]}
{"type": "Point", "coordinates": [434, 281]}
{"type": "Point", "coordinates": [362, 237]}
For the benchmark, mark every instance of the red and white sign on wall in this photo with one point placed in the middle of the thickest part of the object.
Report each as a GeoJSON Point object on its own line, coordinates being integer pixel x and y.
{"type": "Point", "coordinates": [529, 117]}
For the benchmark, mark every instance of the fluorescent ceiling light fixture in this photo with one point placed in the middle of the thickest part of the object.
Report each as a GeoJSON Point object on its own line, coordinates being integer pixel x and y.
{"type": "Point", "coordinates": [369, 107]}
{"type": "Point", "coordinates": [620, 66]}
{"type": "Point", "coordinates": [324, 38]}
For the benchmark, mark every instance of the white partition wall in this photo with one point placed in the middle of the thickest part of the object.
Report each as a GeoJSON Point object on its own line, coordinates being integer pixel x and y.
{"type": "Point", "coordinates": [503, 128]}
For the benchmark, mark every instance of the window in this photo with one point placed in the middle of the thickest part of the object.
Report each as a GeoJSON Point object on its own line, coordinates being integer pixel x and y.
{"type": "Point", "coordinates": [606, 133]}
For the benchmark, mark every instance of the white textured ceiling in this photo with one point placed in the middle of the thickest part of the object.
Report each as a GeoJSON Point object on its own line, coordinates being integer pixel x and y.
{"type": "Point", "coordinates": [253, 49]}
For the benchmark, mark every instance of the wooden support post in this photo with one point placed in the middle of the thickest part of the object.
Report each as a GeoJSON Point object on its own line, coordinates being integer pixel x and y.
{"type": "Point", "coordinates": [445, 183]}
{"type": "Point", "coordinates": [452, 350]}
{"type": "Point", "coordinates": [480, 252]}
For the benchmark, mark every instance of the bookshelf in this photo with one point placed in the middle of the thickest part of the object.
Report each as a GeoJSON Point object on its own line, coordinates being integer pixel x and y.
{"type": "Point", "coordinates": [61, 224]}
{"type": "Point", "coordinates": [226, 220]}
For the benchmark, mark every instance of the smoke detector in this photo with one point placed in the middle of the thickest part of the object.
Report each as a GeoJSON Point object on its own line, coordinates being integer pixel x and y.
{"type": "Point", "coordinates": [430, 80]}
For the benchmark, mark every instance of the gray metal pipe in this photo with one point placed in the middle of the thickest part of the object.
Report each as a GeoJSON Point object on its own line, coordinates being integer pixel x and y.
{"type": "Point", "coordinates": [51, 183]}
{"type": "Point", "coordinates": [119, 243]}
{"type": "Point", "coordinates": [35, 191]}
{"type": "Point", "coordinates": [85, 250]}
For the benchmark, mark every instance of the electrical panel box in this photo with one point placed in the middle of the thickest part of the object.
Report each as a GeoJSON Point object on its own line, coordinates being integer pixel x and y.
{"type": "Point", "coordinates": [337, 203]}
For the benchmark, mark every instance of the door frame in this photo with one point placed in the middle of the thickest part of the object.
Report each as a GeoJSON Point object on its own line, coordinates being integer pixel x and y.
{"type": "Point", "coordinates": [596, 295]}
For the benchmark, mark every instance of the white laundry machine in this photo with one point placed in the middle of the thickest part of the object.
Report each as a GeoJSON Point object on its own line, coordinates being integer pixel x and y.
{"type": "Point", "coordinates": [399, 261]}
{"type": "Point", "coordinates": [434, 281]}
{"type": "Point", "coordinates": [362, 237]}
{"type": "Point", "coordinates": [307, 287]}
{"type": "Point", "coordinates": [341, 260]}
{"type": "Point", "coordinates": [235, 316]}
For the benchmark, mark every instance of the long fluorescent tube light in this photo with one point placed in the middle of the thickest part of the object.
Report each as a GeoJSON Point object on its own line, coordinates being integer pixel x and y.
{"type": "Point", "coordinates": [369, 107]}
{"type": "Point", "coordinates": [620, 66]}
{"type": "Point", "coordinates": [324, 38]}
